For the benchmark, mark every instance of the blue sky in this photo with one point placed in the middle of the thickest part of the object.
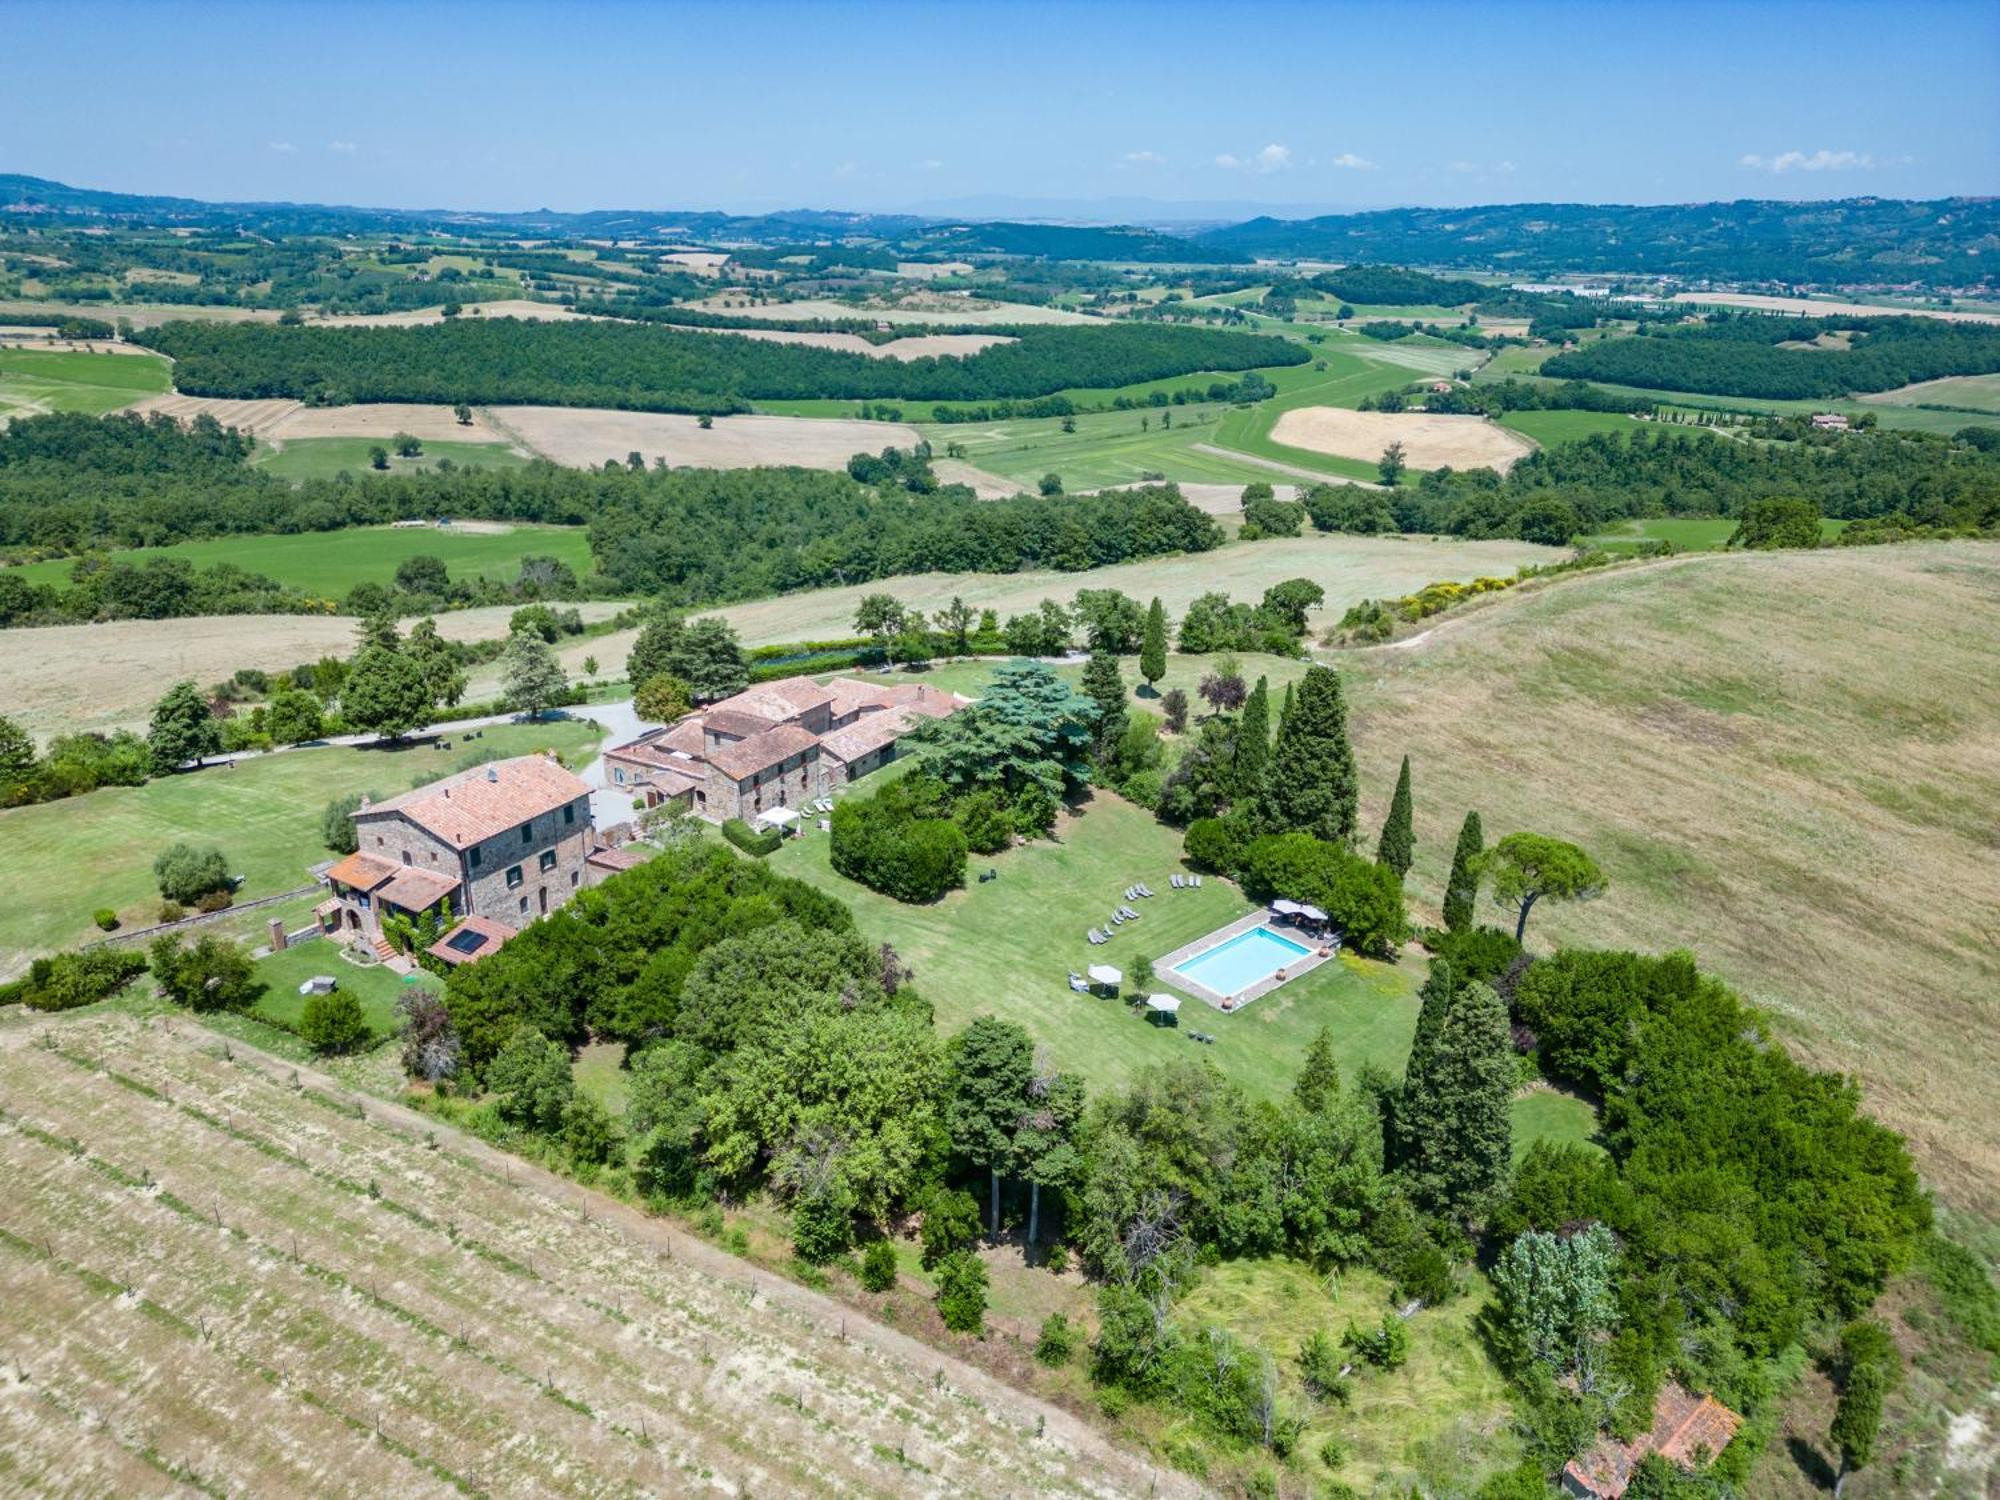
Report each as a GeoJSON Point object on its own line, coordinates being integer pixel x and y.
{"type": "Point", "coordinates": [887, 105]}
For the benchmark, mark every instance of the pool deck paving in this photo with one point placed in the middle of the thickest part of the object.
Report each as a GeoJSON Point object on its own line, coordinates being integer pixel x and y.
{"type": "Point", "coordinates": [1167, 971]}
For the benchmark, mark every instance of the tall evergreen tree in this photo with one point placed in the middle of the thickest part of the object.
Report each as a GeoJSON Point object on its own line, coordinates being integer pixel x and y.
{"type": "Point", "coordinates": [1436, 996]}
{"type": "Point", "coordinates": [531, 676]}
{"type": "Point", "coordinates": [1455, 1118]}
{"type": "Point", "coordinates": [443, 678]}
{"type": "Point", "coordinates": [1461, 888]}
{"type": "Point", "coordinates": [1310, 784]}
{"type": "Point", "coordinates": [653, 651]}
{"type": "Point", "coordinates": [1869, 1368]}
{"type": "Point", "coordinates": [1253, 742]}
{"type": "Point", "coordinates": [17, 753]}
{"type": "Point", "coordinates": [1153, 646]}
{"type": "Point", "coordinates": [709, 659]}
{"type": "Point", "coordinates": [1105, 686]}
{"type": "Point", "coordinates": [1319, 1080]}
{"type": "Point", "coordinates": [182, 730]}
{"type": "Point", "coordinates": [1398, 845]}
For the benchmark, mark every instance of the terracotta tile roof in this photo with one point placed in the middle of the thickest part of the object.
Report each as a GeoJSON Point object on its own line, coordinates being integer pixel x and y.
{"type": "Point", "coordinates": [851, 695]}
{"type": "Point", "coordinates": [417, 889]}
{"type": "Point", "coordinates": [362, 871]}
{"type": "Point", "coordinates": [615, 859]}
{"type": "Point", "coordinates": [738, 722]}
{"type": "Point", "coordinates": [746, 758]}
{"type": "Point", "coordinates": [487, 800]}
{"type": "Point", "coordinates": [866, 735]}
{"type": "Point", "coordinates": [491, 934]}
{"type": "Point", "coordinates": [776, 701]}
{"type": "Point", "coordinates": [685, 737]}
{"type": "Point", "coordinates": [672, 781]}
{"type": "Point", "coordinates": [1684, 1425]}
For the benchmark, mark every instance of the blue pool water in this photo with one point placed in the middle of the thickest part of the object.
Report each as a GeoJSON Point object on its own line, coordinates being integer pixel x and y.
{"type": "Point", "coordinates": [1232, 967]}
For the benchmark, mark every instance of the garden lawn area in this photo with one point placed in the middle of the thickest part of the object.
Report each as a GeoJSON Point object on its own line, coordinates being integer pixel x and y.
{"type": "Point", "coordinates": [1552, 1115]}
{"type": "Point", "coordinates": [1442, 1419]}
{"type": "Point", "coordinates": [329, 563]}
{"type": "Point", "coordinates": [44, 380]}
{"type": "Point", "coordinates": [322, 458]}
{"type": "Point", "coordinates": [65, 859]}
{"type": "Point", "coordinates": [376, 986]}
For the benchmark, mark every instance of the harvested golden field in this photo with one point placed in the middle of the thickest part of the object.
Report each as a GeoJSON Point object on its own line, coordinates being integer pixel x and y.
{"type": "Point", "coordinates": [144, 314]}
{"type": "Point", "coordinates": [58, 679]}
{"type": "Point", "coordinates": [917, 308]}
{"type": "Point", "coordinates": [1429, 442]}
{"type": "Point", "coordinates": [278, 420]}
{"type": "Point", "coordinates": [1812, 307]}
{"type": "Point", "coordinates": [1786, 762]}
{"type": "Point", "coordinates": [512, 307]}
{"type": "Point", "coordinates": [236, 1276]}
{"type": "Point", "coordinates": [586, 436]}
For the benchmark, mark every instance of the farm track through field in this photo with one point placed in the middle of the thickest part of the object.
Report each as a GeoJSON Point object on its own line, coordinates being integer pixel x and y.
{"type": "Point", "coordinates": [249, 1278]}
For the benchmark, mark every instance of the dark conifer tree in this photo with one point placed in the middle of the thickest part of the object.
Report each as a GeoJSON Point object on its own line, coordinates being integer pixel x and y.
{"type": "Point", "coordinates": [1309, 786]}
{"type": "Point", "coordinates": [1398, 845]}
{"type": "Point", "coordinates": [1461, 889]}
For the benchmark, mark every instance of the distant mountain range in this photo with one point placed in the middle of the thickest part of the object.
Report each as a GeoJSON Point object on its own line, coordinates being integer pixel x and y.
{"type": "Point", "coordinates": [1949, 242]}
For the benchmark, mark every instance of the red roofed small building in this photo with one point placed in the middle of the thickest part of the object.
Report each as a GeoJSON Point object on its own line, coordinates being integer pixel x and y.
{"type": "Point", "coordinates": [504, 843]}
{"type": "Point", "coordinates": [778, 744]}
{"type": "Point", "coordinates": [1687, 1430]}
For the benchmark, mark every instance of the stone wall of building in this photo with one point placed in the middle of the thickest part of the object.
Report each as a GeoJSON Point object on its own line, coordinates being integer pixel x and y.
{"type": "Point", "coordinates": [548, 852]}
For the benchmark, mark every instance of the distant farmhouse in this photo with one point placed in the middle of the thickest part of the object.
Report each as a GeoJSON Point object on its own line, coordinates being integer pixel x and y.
{"type": "Point", "coordinates": [496, 846]}
{"type": "Point", "coordinates": [778, 744]}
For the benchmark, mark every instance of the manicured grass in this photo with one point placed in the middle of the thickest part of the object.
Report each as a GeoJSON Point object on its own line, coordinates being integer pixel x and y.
{"type": "Point", "coordinates": [329, 563]}
{"type": "Point", "coordinates": [322, 458]}
{"type": "Point", "coordinates": [66, 859]}
{"type": "Point", "coordinates": [1687, 533]}
{"type": "Point", "coordinates": [1547, 1114]}
{"type": "Point", "coordinates": [376, 986]}
{"type": "Point", "coordinates": [1549, 428]}
{"type": "Point", "coordinates": [39, 380]}
{"type": "Point", "coordinates": [1005, 948]}
{"type": "Point", "coordinates": [1443, 1418]}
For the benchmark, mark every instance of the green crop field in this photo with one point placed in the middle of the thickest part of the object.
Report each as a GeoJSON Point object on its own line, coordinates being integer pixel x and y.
{"type": "Point", "coordinates": [39, 380]}
{"type": "Point", "coordinates": [1107, 448]}
{"type": "Point", "coordinates": [1687, 533]}
{"type": "Point", "coordinates": [322, 458]}
{"type": "Point", "coordinates": [1981, 392]}
{"type": "Point", "coordinates": [1549, 428]}
{"type": "Point", "coordinates": [65, 859]}
{"type": "Point", "coordinates": [329, 563]}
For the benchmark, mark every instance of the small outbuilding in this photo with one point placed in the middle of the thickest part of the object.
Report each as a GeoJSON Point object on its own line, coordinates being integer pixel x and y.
{"type": "Point", "coordinates": [1688, 1430]}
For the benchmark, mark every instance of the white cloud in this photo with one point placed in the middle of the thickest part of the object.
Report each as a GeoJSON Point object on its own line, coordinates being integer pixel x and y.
{"type": "Point", "coordinates": [1503, 166]}
{"type": "Point", "coordinates": [283, 146]}
{"type": "Point", "coordinates": [846, 169]}
{"type": "Point", "coordinates": [1353, 163]}
{"type": "Point", "coordinates": [1143, 159]}
{"type": "Point", "coordinates": [1273, 158]}
{"type": "Point", "coordinates": [343, 147]}
{"type": "Point", "coordinates": [1821, 160]}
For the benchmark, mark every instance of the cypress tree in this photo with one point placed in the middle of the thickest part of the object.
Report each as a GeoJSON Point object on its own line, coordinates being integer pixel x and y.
{"type": "Point", "coordinates": [1436, 996]}
{"type": "Point", "coordinates": [1153, 647]}
{"type": "Point", "coordinates": [1398, 845]}
{"type": "Point", "coordinates": [1309, 786]}
{"type": "Point", "coordinates": [1455, 1118]}
{"type": "Point", "coordinates": [1461, 890]}
{"type": "Point", "coordinates": [1319, 1080]}
{"type": "Point", "coordinates": [1253, 742]}
{"type": "Point", "coordinates": [1103, 683]}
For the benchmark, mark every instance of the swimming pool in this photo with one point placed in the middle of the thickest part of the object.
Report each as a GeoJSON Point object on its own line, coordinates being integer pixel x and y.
{"type": "Point", "coordinates": [1248, 958]}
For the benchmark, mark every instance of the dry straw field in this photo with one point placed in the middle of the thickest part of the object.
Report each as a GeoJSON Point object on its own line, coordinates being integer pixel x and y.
{"type": "Point", "coordinates": [586, 436]}
{"type": "Point", "coordinates": [1788, 763]}
{"type": "Point", "coordinates": [228, 1277]}
{"type": "Point", "coordinates": [1429, 442]}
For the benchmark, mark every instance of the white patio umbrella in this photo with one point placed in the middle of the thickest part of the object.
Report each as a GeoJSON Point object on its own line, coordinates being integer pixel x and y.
{"type": "Point", "coordinates": [777, 817]}
{"type": "Point", "coordinates": [1106, 975]}
{"type": "Point", "coordinates": [1165, 1004]}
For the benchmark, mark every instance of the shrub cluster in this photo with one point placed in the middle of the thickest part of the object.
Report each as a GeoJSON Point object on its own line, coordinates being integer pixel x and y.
{"type": "Point", "coordinates": [64, 981]}
{"type": "Point", "coordinates": [896, 842]}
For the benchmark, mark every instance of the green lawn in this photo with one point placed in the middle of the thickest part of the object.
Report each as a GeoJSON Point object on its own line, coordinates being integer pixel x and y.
{"type": "Point", "coordinates": [322, 458]}
{"type": "Point", "coordinates": [1436, 1424]}
{"type": "Point", "coordinates": [329, 563]}
{"type": "Point", "coordinates": [1687, 533]}
{"type": "Point", "coordinates": [65, 859]}
{"type": "Point", "coordinates": [39, 380]}
{"type": "Point", "coordinates": [376, 986]}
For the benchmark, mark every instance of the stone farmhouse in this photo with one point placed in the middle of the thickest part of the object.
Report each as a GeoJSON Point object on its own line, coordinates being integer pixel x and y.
{"type": "Point", "coordinates": [1687, 1430]}
{"type": "Point", "coordinates": [498, 846]}
{"type": "Point", "coordinates": [777, 744]}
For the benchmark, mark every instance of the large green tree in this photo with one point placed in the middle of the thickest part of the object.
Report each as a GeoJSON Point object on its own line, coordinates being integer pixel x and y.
{"type": "Point", "coordinates": [436, 663]}
{"type": "Point", "coordinates": [709, 659]}
{"type": "Point", "coordinates": [385, 693]}
{"type": "Point", "coordinates": [1461, 887]}
{"type": "Point", "coordinates": [182, 729]}
{"type": "Point", "coordinates": [1029, 726]}
{"type": "Point", "coordinates": [1105, 686]}
{"type": "Point", "coordinates": [1310, 784]}
{"type": "Point", "coordinates": [992, 1083]}
{"type": "Point", "coordinates": [1398, 844]}
{"type": "Point", "coordinates": [1455, 1118]}
{"type": "Point", "coordinates": [653, 651]}
{"type": "Point", "coordinates": [1530, 867]}
{"type": "Point", "coordinates": [17, 753]}
{"type": "Point", "coordinates": [1153, 646]}
{"type": "Point", "coordinates": [1868, 1370]}
{"type": "Point", "coordinates": [530, 675]}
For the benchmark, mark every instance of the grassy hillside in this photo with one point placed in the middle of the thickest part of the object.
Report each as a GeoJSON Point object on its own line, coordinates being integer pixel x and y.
{"type": "Point", "coordinates": [1789, 763]}
{"type": "Point", "coordinates": [39, 380]}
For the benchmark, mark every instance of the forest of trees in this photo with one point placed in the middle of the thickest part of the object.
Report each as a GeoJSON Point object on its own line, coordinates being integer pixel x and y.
{"type": "Point", "coordinates": [500, 360]}
{"type": "Point", "coordinates": [1732, 355]}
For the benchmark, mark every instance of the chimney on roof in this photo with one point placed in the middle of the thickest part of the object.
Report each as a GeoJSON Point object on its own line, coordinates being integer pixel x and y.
{"type": "Point", "coordinates": [492, 774]}
{"type": "Point", "coordinates": [364, 801]}
{"type": "Point", "coordinates": [447, 794]}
